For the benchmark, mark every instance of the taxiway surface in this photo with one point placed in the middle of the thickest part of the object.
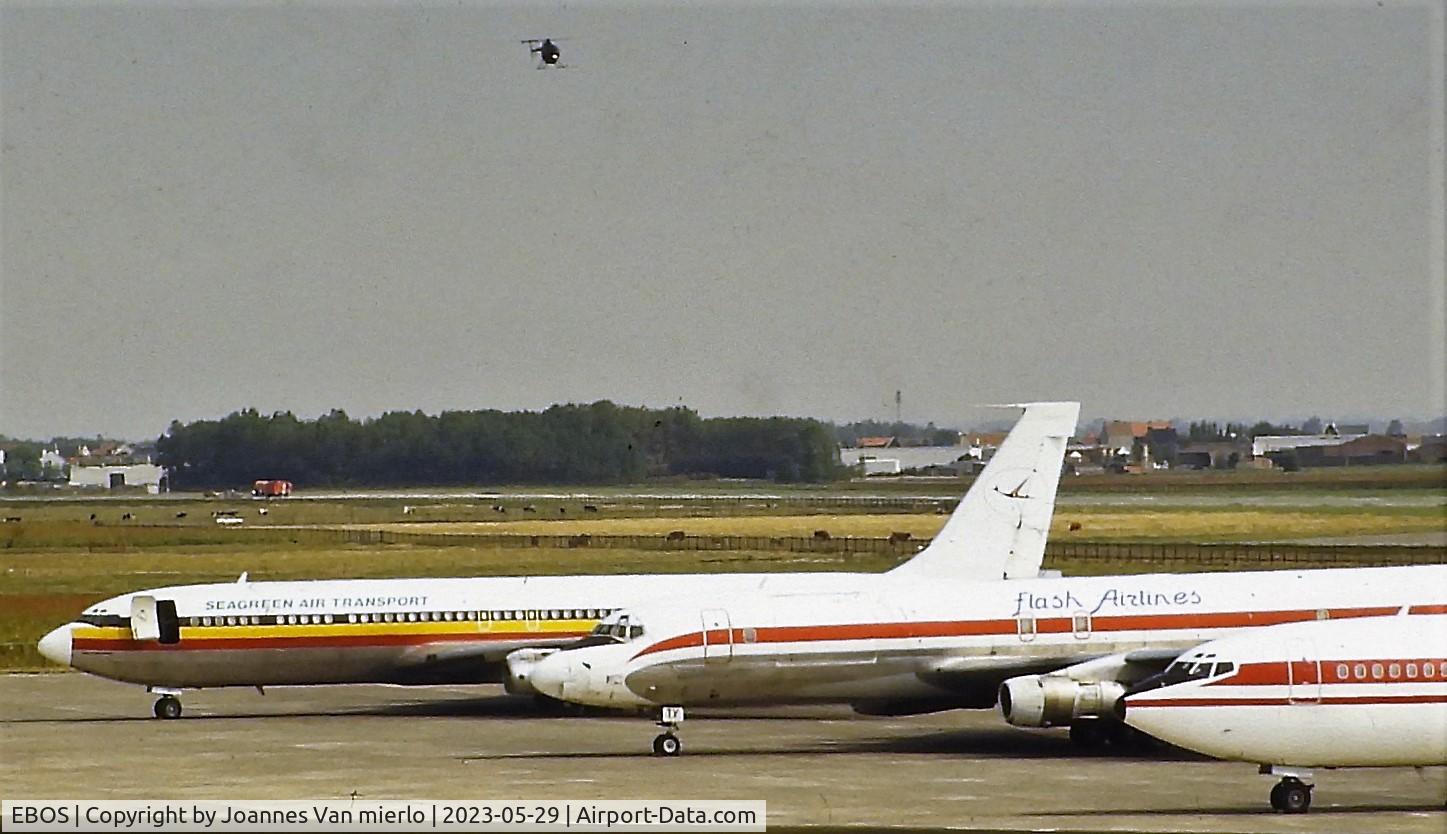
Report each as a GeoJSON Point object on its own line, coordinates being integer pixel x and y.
{"type": "Point", "coordinates": [74, 736]}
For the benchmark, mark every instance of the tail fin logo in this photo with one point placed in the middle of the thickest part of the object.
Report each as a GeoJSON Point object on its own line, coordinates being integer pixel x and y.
{"type": "Point", "coordinates": [1016, 492]}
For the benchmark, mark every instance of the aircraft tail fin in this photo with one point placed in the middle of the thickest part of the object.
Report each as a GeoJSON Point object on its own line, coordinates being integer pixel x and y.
{"type": "Point", "coordinates": [998, 531]}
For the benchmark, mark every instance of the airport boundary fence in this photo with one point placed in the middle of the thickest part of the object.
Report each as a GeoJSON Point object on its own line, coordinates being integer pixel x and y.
{"type": "Point", "coordinates": [1210, 554]}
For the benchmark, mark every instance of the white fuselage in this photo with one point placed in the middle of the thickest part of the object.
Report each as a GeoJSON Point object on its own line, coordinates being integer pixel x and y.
{"type": "Point", "coordinates": [947, 643]}
{"type": "Point", "coordinates": [445, 630]}
{"type": "Point", "coordinates": [1367, 692]}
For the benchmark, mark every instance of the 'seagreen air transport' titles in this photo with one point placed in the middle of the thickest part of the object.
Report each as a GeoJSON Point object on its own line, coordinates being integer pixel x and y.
{"type": "Point", "coordinates": [478, 630]}
{"type": "Point", "coordinates": [1368, 692]}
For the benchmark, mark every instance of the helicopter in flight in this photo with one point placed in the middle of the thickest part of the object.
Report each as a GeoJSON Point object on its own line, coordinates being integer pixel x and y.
{"type": "Point", "coordinates": [547, 51]}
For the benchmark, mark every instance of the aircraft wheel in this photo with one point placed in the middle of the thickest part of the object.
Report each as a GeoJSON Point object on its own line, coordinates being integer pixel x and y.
{"type": "Point", "coordinates": [1291, 796]}
{"type": "Point", "coordinates": [667, 744]}
{"type": "Point", "coordinates": [167, 706]}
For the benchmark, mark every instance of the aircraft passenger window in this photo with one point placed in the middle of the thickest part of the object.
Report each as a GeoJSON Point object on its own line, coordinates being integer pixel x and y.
{"type": "Point", "coordinates": [532, 615]}
{"type": "Point", "coordinates": [1377, 671]}
{"type": "Point", "coordinates": [231, 621]}
{"type": "Point", "coordinates": [1359, 671]}
{"type": "Point", "coordinates": [1342, 672]}
{"type": "Point", "coordinates": [751, 635]}
{"type": "Point", "coordinates": [387, 617]}
{"type": "Point", "coordinates": [1394, 671]}
{"type": "Point", "coordinates": [1412, 670]}
{"type": "Point", "coordinates": [1428, 670]}
{"type": "Point", "coordinates": [206, 621]}
{"type": "Point", "coordinates": [351, 618]}
{"type": "Point", "coordinates": [411, 617]}
{"type": "Point", "coordinates": [327, 619]}
{"type": "Point", "coordinates": [447, 616]}
{"type": "Point", "coordinates": [592, 613]}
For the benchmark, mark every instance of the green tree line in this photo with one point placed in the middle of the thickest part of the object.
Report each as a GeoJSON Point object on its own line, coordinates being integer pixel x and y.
{"type": "Point", "coordinates": [597, 443]}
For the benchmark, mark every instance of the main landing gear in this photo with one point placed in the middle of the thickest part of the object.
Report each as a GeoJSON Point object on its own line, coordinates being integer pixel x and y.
{"type": "Point", "coordinates": [1292, 795]}
{"type": "Point", "coordinates": [667, 742]}
{"type": "Point", "coordinates": [167, 706]}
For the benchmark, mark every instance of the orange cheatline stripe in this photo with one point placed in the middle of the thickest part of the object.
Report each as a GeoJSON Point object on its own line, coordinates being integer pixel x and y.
{"type": "Point", "coordinates": [1275, 673]}
{"type": "Point", "coordinates": [244, 643]}
{"type": "Point", "coordinates": [973, 628]}
{"type": "Point", "coordinates": [1340, 700]}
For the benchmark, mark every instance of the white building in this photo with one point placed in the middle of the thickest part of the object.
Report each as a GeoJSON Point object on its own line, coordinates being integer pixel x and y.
{"type": "Point", "coordinates": [52, 462]}
{"type": "Point", "coordinates": [104, 476]}
{"type": "Point", "coordinates": [903, 457]}
{"type": "Point", "coordinates": [1265, 444]}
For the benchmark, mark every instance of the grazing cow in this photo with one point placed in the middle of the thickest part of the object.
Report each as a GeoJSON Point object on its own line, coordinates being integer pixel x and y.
{"type": "Point", "coordinates": [562, 511]}
{"type": "Point", "coordinates": [1075, 525]}
{"type": "Point", "coordinates": [529, 508]}
{"type": "Point", "coordinates": [676, 536]}
{"type": "Point", "coordinates": [181, 514]}
{"type": "Point", "coordinates": [261, 511]}
{"type": "Point", "coordinates": [127, 517]}
{"type": "Point", "coordinates": [589, 508]}
{"type": "Point", "coordinates": [821, 535]}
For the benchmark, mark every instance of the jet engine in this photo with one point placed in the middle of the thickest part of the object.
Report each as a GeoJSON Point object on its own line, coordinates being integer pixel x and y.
{"type": "Point", "coordinates": [520, 670]}
{"type": "Point", "coordinates": [1054, 700]}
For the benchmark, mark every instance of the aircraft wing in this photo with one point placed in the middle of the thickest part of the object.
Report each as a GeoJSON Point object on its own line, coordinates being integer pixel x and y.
{"type": "Point", "coordinates": [977, 678]}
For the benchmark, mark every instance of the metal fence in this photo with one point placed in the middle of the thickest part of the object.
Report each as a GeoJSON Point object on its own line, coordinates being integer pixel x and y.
{"type": "Point", "coordinates": [1162, 553]}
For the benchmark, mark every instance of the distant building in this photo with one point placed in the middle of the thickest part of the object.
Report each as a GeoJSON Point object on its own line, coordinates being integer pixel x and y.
{"type": "Point", "coordinates": [903, 458]}
{"type": "Point", "coordinates": [1148, 444]}
{"type": "Point", "coordinates": [52, 463]}
{"type": "Point", "coordinates": [879, 466]}
{"type": "Point", "coordinates": [115, 476]}
{"type": "Point", "coordinates": [1266, 445]}
{"type": "Point", "coordinates": [877, 443]}
{"type": "Point", "coordinates": [1361, 451]}
{"type": "Point", "coordinates": [1431, 449]}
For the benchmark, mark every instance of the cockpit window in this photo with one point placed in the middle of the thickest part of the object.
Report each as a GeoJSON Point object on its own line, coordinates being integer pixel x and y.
{"type": "Point", "coordinates": [615, 628]}
{"type": "Point", "coordinates": [1194, 669]}
{"type": "Point", "coordinates": [105, 620]}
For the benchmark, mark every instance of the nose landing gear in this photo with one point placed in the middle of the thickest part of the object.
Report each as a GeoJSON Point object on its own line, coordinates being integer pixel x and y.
{"type": "Point", "coordinates": [667, 743]}
{"type": "Point", "coordinates": [168, 707]}
{"type": "Point", "coordinates": [1292, 795]}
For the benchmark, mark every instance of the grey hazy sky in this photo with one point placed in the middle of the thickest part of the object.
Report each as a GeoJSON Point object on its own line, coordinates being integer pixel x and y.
{"type": "Point", "coordinates": [748, 208]}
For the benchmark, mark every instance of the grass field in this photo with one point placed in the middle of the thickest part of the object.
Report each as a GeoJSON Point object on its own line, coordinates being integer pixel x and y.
{"type": "Point", "coordinates": [59, 559]}
{"type": "Point", "coordinates": [1197, 525]}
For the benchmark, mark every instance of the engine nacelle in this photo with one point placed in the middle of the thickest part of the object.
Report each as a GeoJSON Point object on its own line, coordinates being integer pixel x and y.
{"type": "Point", "coordinates": [520, 670]}
{"type": "Point", "coordinates": [1053, 700]}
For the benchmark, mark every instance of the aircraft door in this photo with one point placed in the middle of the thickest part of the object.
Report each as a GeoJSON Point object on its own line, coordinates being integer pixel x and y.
{"type": "Point", "coordinates": [1303, 672]}
{"type": "Point", "coordinates": [718, 635]}
{"type": "Point", "coordinates": [143, 618]}
{"type": "Point", "coordinates": [153, 619]}
{"type": "Point", "coordinates": [167, 623]}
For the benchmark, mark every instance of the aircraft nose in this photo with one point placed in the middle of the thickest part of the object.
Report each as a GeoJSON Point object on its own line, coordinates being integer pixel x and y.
{"type": "Point", "coordinates": [55, 646]}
